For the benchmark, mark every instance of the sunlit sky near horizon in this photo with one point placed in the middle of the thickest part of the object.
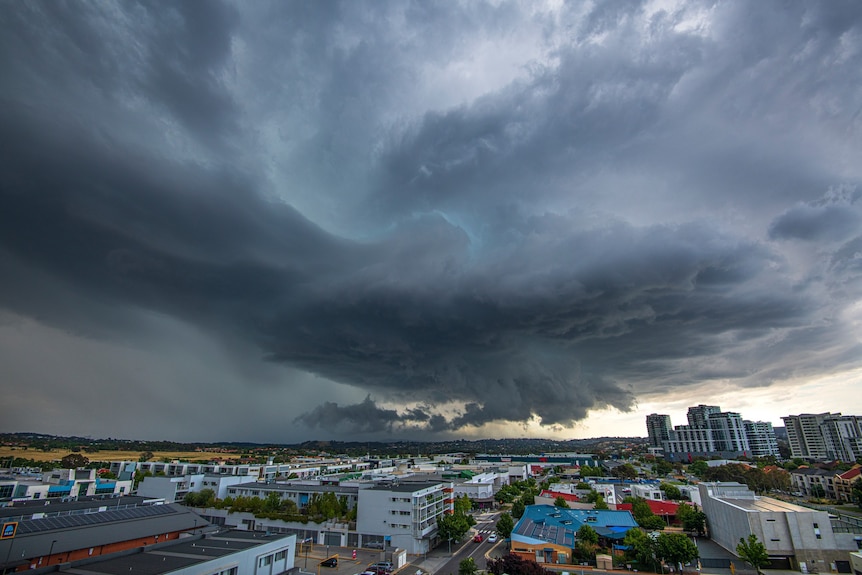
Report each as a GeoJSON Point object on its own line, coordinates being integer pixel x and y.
{"type": "Point", "coordinates": [281, 221]}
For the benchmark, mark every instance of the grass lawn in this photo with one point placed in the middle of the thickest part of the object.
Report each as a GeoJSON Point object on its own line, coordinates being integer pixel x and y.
{"type": "Point", "coordinates": [57, 454]}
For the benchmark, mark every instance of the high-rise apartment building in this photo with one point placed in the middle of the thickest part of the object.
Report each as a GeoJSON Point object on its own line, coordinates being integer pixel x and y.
{"type": "Point", "coordinates": [712, 432]}
{"type": "Point", "coordinates": [699, 415]}
{"type": "Point", "coordinates": [761, 438]}
{"type": "Point", "coordinates": [824, 436]}
{"type": "Point", "coordinates": [728, 431]}
{"type": "Point", "coordinates": [658, 429]}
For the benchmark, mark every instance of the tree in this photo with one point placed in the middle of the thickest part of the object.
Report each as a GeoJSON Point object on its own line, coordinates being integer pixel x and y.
{"type": "Point", "coordinates": [676, 548]}
{"type": "Point", "coordinates": [652, 523]}
{"type": "Point", "coordinates": [560, 501]}
{"type": "Point", "coordinates": [145, 456]}
{"type": "Point", "coordinates": [74, 461]}
{"type": "Point", "coordinates": [518, 509]}
{"type": "Point", "coordinates": [587, 471]}
{"type": "Point", "coordinates": [600, 503]}
{"type": "Point", "coordinates": [691, 519]}
{"type": "Point", "coordinates": [643, 514]}
{"type": "Point", "coordinates": [586, 542]}
{"type": "Point", "coordinates": [505, 526]}
{"type": "Point", "coordinates": [463, 504]}
{"type": "Point", "coordinates": [452, 527]}
{"type": "Point", "coordinates": [753, 552]}
{"type": "Point", "coordinates": [625, 471]}
{"type": "Point", "coordinates": [642, 547]}
{"type": "Point", "coordinates": [662, 467]}
{"type": "Point", "coordinates": [515, 565]}
{"type": "Point", "coordinates": [671, 491]}
{"type": "Point", "coordinates": [272, 502]}
{"type": "Point", "coordinates": [698, 468]}
{"type": "Point", "coordinates": [818, 491]}
{"type": "Point", "coordinates": [467, 567]}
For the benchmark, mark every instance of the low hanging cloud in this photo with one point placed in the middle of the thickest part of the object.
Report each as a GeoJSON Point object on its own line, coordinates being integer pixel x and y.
{"type": "Point", "coordinates": [446, 218]}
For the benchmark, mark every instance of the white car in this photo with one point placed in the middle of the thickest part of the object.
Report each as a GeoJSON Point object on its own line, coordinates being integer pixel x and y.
{"type": "Point", "coordinates": [492, 538]}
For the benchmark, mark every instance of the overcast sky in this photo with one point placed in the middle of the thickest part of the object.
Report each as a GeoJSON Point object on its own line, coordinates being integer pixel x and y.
{"type": "Point", "coordinates": [362, 220]}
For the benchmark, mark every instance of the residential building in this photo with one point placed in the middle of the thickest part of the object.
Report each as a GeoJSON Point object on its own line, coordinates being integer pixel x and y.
{"type": "Point", "coordinates": [544, 459]}
{"type": "Point", "coordinates": [658, 429]}
{"type": "Point", "coordinates": [59, 484]}
{"type": "Point", "coordinates": [761, 438]}
{"type": "Point", "coordinates": [698, 416]}
{"type": "Point", "coordinates": [548, 534]}
{"type": "Point", "coordinates": [813, 482]}
{"type": "Point", "coordinates": [170, 488]}
{"type": "Point", "coordinates": [648, 491]}
{"type": "Point", "coordinates": [711, 432]}
{"type": "Point", "coordinates": [405, 514]}
{"type": "Point", "coordinates": [795, 537]}
{"type": "Point", "coordinates": [824, 436]}
{"type": "Point", "coordinates": [843, 483]}
{"type": "Point", "coordinates": [843, 437]}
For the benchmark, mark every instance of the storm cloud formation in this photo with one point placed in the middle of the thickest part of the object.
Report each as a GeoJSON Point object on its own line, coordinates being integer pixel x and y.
{"type": "Point", "coordinates": [361, 219]}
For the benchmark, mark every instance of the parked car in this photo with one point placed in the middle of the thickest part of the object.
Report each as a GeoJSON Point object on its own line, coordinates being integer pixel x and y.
{"type": "Point", "coordinates": [492, 538]}
{"type": "Point", "coordinates": [478, 538]}
{"type": "Point", "coordinates": [387, 565]}
{"type": "Point", "coordinates": [331, 562]}
{"type": "Point", "coordinates": [375, 570]}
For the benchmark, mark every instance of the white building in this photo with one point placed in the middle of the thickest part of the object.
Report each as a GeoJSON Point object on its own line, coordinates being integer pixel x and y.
{"type": "Point", "coordinates": [711, 432]}
{"type": "Point", "coordinates": [761, 438]}
{"type": "Point", "coordinates": [405, 514]}
{"type": "Point", "coordinates": [171, 489]}
{"type": "Point", "coordinates": [795, 537]}
{"type": "Point", "coordinates": [60, 484]}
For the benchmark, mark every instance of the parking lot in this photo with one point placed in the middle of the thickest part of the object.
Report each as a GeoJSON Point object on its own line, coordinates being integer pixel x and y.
{"type": "Point", "coordinates": [310, 562]}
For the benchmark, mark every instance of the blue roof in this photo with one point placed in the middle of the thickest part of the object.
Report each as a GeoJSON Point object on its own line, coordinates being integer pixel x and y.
{"type": "Point", "coordinates": [558, 525]}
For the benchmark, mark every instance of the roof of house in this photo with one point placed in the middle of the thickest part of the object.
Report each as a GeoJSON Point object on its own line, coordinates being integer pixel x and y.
{"type": "Point", "coordinates": [558, 525]}
{"type": "Point", "coordinates": [555, 494]}
{"type": "Point", "coordinates": [657, 507]}
{"type": "Point", "coordinates": [812, 471]}
{"type": "Point", "coordinates": [851, 473]}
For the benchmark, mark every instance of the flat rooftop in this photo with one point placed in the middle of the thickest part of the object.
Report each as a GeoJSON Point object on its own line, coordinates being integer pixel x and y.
{"type": "Point", "coordinates": [170, 557]}
{"type": "Point", "coordinates": [766, 504]}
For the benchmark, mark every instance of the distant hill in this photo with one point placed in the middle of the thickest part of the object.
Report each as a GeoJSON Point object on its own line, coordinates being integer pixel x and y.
{"type": "Point", "coordinates": [393, 447]}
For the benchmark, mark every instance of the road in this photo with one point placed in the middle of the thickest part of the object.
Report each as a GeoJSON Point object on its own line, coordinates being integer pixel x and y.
{"type": "Point", "coordinates": [485, 525]}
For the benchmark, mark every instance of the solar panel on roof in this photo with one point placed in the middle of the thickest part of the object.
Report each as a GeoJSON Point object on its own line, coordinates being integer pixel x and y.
{"type": "Point", "coordinates": [69, 521]}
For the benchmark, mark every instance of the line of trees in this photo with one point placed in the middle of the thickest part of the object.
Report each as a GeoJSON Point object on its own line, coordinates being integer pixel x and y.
{"type": "Point", "coordinates": [321, 507]}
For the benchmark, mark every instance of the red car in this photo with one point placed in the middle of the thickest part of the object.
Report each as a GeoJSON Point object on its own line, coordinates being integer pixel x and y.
{"type": "Point", "coordinates": [477, 538]}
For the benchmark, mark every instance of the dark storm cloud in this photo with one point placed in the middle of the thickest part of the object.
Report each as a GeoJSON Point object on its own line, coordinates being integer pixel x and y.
{"type": "Point", "coordinates": [329, 184]}
{"type": "Point", "coordinates": [833, 218]}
